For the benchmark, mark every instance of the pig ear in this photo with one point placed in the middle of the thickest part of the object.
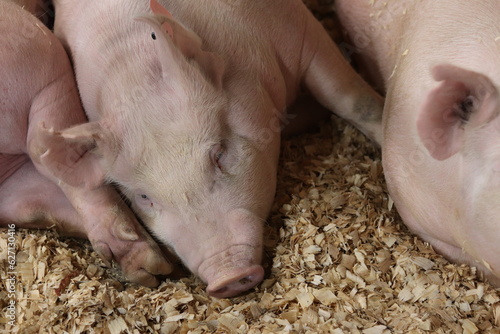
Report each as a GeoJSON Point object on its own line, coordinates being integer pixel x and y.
{"type": "Point", "coordinates": [463, 101]}
{"type": "Point", "coordinates": [74, 155]}
{"type": "Point", "coordinates": [157, 8]}
{"type": "Point", "coordinates": [171, 35]}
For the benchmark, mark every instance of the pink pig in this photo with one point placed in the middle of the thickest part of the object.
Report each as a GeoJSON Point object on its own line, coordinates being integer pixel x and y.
{"type": "Point", "coordinates": [439, 63]}
{"type": "Point", "coordinates": [38, 98]}
{"type": "Point", "coordinates": [186, 100]}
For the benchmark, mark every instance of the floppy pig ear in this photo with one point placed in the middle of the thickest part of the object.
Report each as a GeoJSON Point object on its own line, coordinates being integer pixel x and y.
{"type": "Point", "coordinates": [464, 100]}
{"type": "Point", "coordinates": [74, 155]}
{"type": "Point", "coordinates": [168, 31]}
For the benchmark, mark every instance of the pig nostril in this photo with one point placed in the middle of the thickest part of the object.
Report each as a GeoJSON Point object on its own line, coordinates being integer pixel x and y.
{"type": "Point", "coordinates": [220, 292]}
{"type": "Point", "coordinates": [245, 280]}
{"type": "Point", "coordinates": [237, 285]}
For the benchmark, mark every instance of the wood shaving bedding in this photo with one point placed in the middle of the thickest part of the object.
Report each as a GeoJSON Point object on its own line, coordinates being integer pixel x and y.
{"type": "Point", "coordinates": [338, 260]}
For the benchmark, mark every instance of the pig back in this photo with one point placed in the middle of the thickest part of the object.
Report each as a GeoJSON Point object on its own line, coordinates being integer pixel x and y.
{"type": "Point", "coordinates": [374, 33]}
{"type": "Point", "coordinates": [31, 59]}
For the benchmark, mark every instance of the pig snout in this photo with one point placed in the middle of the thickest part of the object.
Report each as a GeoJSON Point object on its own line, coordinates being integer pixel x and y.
{"type": "Point", "coordinates": [226, 256]}
{"type": "Point", "coordinates": [232, 272]}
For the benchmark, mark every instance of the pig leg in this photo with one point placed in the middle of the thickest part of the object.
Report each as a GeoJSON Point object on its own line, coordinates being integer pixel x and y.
{"type": "Point", "coordinates": [336, 85]}
{"type": "Point", "coordinates": [304, 115]}
{"type": "Point", "coordinates": [32, 201]}
{"type": "Point", "coordinates": [115, 234]}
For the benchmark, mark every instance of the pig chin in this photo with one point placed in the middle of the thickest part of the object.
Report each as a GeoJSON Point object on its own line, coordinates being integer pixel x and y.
{"type": "Point", "coordinates": [225, 254]}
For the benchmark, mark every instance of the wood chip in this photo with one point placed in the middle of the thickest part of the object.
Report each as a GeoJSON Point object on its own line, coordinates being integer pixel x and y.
{"type": "Point", "coordinates": [423, 262]}
{"type": "Point", "coordinates": [117, 326]}
{"type": "Point", "coordinates": [305, 299]}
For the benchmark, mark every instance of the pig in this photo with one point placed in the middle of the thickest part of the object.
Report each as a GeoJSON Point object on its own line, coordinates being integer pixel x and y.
{"type": "Point", "coordinates": [41, 9]}
{"type": "Point", "coordinates": [39, 98]}
{"type": "Point", "coordinates": [438, 62]}
{"type": "Point", "coordinates": [186, 100]}
{"type": "Point", "coordinates": [32, 6]}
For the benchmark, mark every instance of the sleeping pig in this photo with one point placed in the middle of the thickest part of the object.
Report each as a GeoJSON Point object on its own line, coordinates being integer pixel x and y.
{"type": "Point", "coordinates": [186, 100]}
{"type": "Point", "coordinates": [439, 64]}
{"type": "Point", "coordinates": [38, 98]}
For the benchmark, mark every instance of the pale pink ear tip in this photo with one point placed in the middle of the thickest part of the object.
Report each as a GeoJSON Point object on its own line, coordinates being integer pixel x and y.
{"type": "Point", "coordinates": [157, 8]}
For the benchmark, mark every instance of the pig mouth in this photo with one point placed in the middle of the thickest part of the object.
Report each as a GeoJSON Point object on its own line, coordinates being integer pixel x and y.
{"type": "Point", "coordinates": [233, 271]}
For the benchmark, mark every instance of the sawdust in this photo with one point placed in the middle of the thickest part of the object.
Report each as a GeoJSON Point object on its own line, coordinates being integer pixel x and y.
{"type": "Point", "coordinates": [339, 260]}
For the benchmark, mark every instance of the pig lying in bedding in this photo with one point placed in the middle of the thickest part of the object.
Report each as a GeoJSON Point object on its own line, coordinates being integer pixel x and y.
{"type": "Point", "coordinates": [439, 64]}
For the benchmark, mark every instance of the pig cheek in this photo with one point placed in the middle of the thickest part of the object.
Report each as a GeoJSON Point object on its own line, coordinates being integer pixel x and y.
{"type": "Point", "coordinates": [147, 212]}
{"type": "Point", "coordinates": [259, 183]}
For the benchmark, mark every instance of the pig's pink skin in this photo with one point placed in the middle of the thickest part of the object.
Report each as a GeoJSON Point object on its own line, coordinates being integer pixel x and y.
{"type": "Point", "coordinates": [31, 6]}
{"type": "Point", "coordinates": [435, 60]}
{"type": "Point", "coordinates": [195, 145]}
{"type": "Point", "coordinates": [41, 9]}
{"type": "Point", "coordinates": [37, 86]}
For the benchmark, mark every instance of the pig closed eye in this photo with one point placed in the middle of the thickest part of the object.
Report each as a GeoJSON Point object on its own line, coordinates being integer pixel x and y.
{"type": "Point", "coordinates": [218, 153]}
{"type": "Point", "coordinates": [144, 200]}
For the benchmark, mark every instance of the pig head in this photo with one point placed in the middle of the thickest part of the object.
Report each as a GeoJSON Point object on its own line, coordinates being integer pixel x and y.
{"type": "Point", "coordinates": [189, 128]}
{"type": "Point", "coordinates": [196, 178]}
{"type": "Point", "coordinates": [441, 146]}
